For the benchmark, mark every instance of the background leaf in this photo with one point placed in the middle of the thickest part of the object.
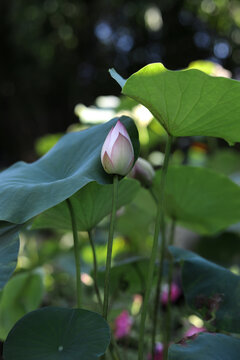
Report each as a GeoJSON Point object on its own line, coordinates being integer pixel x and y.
{"type": "Point", "coordinates": [57, 333]}
{"type": "Point", "coordinates": [127, 276]}
{"type": "Point", "coordinates": [188, 102]}
{"type": "Point", "coordinates": [136, 221]}
{"type": "Point", "coordinates": [9, 246]}
{"type": "Point", "coordinates": [91, 204]}
{"type": "Point", "coordinates": [223, 248]}
{"type": "Point", "coordinates": [212, 291]}
{"type": "Point", "coordinates": [226, 161]}
{"type": "Point", "coordinates": [28, 189]}
{"type": "Point", "coordinates": [206, 346]}
{"type": "Point", "coordinates": [200, 199]}
{"type": "Point", "coordinates": [23, 293]}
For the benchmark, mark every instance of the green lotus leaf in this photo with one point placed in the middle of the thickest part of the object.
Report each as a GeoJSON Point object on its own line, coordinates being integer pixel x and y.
{"type": "Point", "coordinates": [200, 199]}
{"type": "Point", "coordinates": [187, 102]}
{"type": "Point", "coordinates": [58, 334]}
{"type": "Point", "coordinates": [27, 190]}
{"type": "Point", "coordinates": [91, 204]}
{"type": "Point", "coordinates": [210, 290]}
{"type": "Point", "coordinates": [206, 346]}
{"type": "Point", "coordinates": [9, 246]}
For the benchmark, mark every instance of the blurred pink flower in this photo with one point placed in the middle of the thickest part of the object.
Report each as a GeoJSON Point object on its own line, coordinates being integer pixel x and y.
{"type": "Point", "coordinates": [123, 324]}
{"type": "Point", "coordinates": [143, 171]}
{"type": "Point", "coordinates": [175, 293]}
{"type": "Point", "coordinates": [194, 330]}
{"type": "Point", "coordinates": [158, 352]}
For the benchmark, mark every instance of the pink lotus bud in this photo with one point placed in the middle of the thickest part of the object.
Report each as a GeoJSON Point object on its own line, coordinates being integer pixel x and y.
{"type": "Point", "coordinates": [175, 293]}
{"type": "Point", "coordinates": [158, 354]}
{"type": "Point", "coordinates": [194, 330]}
{"type": "Point", "coordinates": [143, 171]}
{"type": "Point", "coordinates": [117, 153]}
{"type": "Point", "coordinates": [123, 324]}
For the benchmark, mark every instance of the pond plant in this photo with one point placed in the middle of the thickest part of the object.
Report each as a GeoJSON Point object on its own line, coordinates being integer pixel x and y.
{"type": "Point", "coordinates": [82, 179]}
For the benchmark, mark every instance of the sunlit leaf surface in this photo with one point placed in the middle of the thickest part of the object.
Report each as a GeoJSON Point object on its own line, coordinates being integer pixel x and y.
{"type": "Point", "coordinates": [187, 102]}
{"type": "Point", "coordinates": [200, 199]}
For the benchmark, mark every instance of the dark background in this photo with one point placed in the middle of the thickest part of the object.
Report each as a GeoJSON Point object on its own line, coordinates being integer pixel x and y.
{"type": "Point", "coordinates": [56, 53]}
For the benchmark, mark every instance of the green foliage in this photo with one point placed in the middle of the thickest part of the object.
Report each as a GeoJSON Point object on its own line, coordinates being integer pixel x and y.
{"type": "Point", "coordinates": [200, 199]}
{"type": "Point", "coordinates": [210, 290]}
{"type": "Point", "coordinates": [71, 164]}
{"type": "Point", "coordinates": [57, 333]}
{"type": "Point", "coordinates": [206, 347]}
{"type": "Point", "coordinates": [223, 248]}
{"type": "Point", "coordinates": [45, 143]}
{"type": "Point", "coordinates": [128, 276]}
{"type": "Point", "coordinates": [23, 293]}
{"type": "Point", "coordinates": [91, 204]}
{"type": "Point", "coordinates": [9, 246]}
{"type": "Point", "coordinates": [187, 102]}
{"type": "Point", "coordinates": [137, 218]}
{"type": "Point", "coordinates": [225, 161]}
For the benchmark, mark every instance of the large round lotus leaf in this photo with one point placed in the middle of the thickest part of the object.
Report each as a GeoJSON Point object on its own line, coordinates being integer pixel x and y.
{"type": "Point", "coordinates": [9, 246]}
{"type": "Point", "coordinates": [58, 334]}
{"type": "Point", "coordinates": [200, 199]}
{"type": "Point", "coordinates": [211, 291]}
{"type": "Point", "coordinates": [206, 346]}
{"type": "Point", "coordinates": [91, 204]}
{"type": "Point", "coordinates": [27, 190]}
{"type": "Point", "coordinates": [187, 102]}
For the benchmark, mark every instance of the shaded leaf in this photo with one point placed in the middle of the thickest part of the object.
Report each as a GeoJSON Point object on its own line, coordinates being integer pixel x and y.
{"type": "Point", "coordinates": [211, 291]}
{"type": "Point", "coordinates": [57, 333]}
{"type": "Point", "coordinates": [9, 246]}
{"type": "Point", "coordinates": [187, 102]}
{"type": "Point", "coordinates": [206, 346]}
{"type": "Point", "coordinates": [91, 204]}
{"type": "Point", "coordinates": [227, 245]}
{"type": "Point", "coordinates": [200, 199]}
{"type": "Point", "coordinates": [127, 276]}
{"type": "Point", "coordinates": [136, 221]}
{"type": "Point", "coordinates": [27, 190]}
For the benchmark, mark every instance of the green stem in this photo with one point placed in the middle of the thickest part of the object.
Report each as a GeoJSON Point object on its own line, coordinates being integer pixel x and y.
{"type": "Point", "coordinates": [109, 248]}
{"type": "Point", "coordinates": [169, 303]}
{"type": "Point", "coordinates": [162, 247]}
{"type": "Point", "coordinates": [114, 348]}
{"type": "Point", "coordinates": [95, 269]}
{"type": "Point", "coordinates": [159, 217]}
{"type": "Point", "coordinates": [76, 252]}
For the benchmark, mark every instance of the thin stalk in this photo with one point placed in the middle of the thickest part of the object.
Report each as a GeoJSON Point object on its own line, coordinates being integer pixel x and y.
{"type": "Point", "coordinates": [169, 303]}
{"type": "Point", "coordinates": [153, 256]}
{"type": "Point", "coordinates": [163, 243]}
{"type": "Point", "coordinates": [76, 252]}
{"type": "Point", "coordinates": [109, 248]}
{"type": "Point", "coordinates": [95, 269]}
{"type": "Point", "coordinates": [114, 348]}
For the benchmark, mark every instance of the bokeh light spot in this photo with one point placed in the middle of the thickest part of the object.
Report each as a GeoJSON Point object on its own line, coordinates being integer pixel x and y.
{"type": "Point", "coordinates": [202, 39]}
{"type": "Point", "coordinates": [153, 18]}
{"type": "Point", "coordinates": [222, 49]}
